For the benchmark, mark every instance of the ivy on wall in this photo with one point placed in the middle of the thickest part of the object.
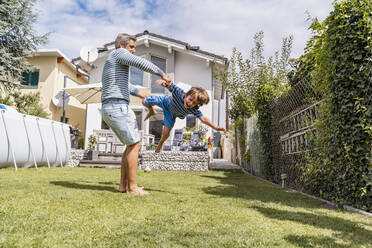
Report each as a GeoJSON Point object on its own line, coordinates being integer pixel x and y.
{"type": "Point", "coordinates": [338, 64]}
{"type": "Point", "coordinates": [340, 168]}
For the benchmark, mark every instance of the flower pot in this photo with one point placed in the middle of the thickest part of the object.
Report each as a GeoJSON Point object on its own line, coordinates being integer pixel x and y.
{"type": "Point", "coordinates": [92, 155]}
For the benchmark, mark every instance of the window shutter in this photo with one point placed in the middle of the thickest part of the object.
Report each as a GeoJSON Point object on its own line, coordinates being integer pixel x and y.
{"type": "Point", "coordinates": [34, 79]}
{"type": "Point", "coordinates": [25, 76]}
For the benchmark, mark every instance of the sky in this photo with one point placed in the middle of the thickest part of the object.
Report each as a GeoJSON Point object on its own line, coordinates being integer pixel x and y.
{"type": "Point", "coordinates": [217, 26]}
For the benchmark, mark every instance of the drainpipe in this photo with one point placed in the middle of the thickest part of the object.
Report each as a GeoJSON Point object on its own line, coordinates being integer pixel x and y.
{"type": "Point", "coordinates": [219, 106]}
{"type": "Point", "coordinates": [212, 97]}
{"type": "Point", "coordinates": [227, 109]}
{"type": "Point", "coordinates": [63, 100]}
{"type": "Point", "coordinates": [227, 100]}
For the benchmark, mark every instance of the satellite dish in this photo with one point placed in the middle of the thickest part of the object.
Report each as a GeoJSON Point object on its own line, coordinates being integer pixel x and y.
{"type": "Point", "coordinates": [57, 99]}
{"type": "Point", "coordinates": [88, 54]}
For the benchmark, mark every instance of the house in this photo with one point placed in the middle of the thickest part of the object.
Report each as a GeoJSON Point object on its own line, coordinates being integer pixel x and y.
{"type": "Point", "coordinates": [186, 65]}
{"type": "Point", "coordinates": [53, 71]}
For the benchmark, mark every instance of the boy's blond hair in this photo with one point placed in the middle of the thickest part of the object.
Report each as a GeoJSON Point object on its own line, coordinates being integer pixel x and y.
{"type": "Point", "coordinates": [200, 94]}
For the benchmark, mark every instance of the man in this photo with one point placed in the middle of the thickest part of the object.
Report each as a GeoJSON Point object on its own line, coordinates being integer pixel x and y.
{"type": "Point", "coordinates": [115, 105]}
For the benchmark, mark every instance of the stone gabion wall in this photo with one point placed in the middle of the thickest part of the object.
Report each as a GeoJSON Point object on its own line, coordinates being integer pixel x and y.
{"type": "Point", "coordinates": [176, 161]}
{"type": "Point", "coordinates": [75, 156]}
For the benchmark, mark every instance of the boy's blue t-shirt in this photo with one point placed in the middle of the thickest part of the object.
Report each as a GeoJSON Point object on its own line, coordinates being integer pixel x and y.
{"type": "Point", "coordinates": [173, 106]}
{"type": "Point", "coordinates": [176, 106]}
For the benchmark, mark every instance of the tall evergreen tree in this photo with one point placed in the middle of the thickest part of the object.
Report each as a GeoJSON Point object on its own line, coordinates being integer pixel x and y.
{"type": "Point", "coordinates": [17, 39]}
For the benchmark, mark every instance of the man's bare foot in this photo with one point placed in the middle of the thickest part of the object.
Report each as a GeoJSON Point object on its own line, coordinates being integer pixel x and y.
{"type": "Point", "coordinates": [150, 113]}
{"type": "Point", "coordinates": [123, 190]}
{"type": "Point", "coordinates": [158, 149]}
{"type": "Point", "coordinates": [137, 191]}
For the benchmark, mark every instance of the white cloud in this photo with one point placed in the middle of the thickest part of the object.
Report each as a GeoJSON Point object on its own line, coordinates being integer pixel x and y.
{"type": "Point", "coordinates": [215, 25]}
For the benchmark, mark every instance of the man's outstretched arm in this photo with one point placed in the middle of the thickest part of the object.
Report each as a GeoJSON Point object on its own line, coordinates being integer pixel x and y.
{"type": "Point", "coordinates": [126, 58]}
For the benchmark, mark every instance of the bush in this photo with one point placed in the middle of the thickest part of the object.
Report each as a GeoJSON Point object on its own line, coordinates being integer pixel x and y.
{"type": "Point", "coordinates": [24, 103]}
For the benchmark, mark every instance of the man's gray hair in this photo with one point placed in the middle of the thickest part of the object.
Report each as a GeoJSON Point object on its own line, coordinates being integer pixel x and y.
{"type": "Point", "coordinates": [125, 38]}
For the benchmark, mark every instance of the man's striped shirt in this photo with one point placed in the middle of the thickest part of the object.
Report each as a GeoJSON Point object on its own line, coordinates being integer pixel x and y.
{"type": "Point", "coordinates": [115, 75]}
{"type": "Point", "coordinates": [176, 105]}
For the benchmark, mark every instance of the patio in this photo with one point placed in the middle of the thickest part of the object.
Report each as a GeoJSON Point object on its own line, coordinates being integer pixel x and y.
{"type": "Point", "coordinates": [178, 154]}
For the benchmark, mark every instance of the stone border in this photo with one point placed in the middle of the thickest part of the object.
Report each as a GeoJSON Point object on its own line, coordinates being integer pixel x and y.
{"type": "Point", "coordinates": [175, 160]}
{"type": "Point", "coordinates": [75, 156]}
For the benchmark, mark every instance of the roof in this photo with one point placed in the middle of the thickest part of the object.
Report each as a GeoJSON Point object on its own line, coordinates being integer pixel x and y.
{"type": "Point", "coordinates": [56, 53]}
{"type": "Point", "coordinates": [187, 45]}
{"type": "Point", "coordinates": [181, 45]}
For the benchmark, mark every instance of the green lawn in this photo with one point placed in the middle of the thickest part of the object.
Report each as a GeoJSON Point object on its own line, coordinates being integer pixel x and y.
{"type": "Point", "coordinates": [80, 207]}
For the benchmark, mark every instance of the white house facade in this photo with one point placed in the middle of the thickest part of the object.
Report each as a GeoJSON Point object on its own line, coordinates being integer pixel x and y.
{"type": "Point", "coordinates": [187, 66]}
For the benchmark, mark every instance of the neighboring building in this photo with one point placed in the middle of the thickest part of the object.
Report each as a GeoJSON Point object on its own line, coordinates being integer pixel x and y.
{"type": "Point", "coordinates": [186, 65]}
{"type": "Point", "coordinates": [52, 71]}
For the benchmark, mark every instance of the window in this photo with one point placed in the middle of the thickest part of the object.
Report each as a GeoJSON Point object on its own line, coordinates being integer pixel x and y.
{"type": "Point", "coordinates": [190, 121]}
{"type": "Point", "coordinates": [136, 76]}
{"type": "Point", "coordinates": [156, 128]}
{"type": "Point", "coordinates": [30, 78]}
{"type": "Point", "coordinates": [161, 63]}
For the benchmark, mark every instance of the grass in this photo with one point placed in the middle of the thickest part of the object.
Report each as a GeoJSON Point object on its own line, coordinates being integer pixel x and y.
{"type": "Point", "coordinates": [80, 207]}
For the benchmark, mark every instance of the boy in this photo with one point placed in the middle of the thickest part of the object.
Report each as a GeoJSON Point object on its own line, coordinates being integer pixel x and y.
{"type": "Point", "coordinates": [178, 105]}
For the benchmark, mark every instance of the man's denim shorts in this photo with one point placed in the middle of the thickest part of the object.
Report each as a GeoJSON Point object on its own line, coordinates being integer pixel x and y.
{"type": "Point", "coordinates": [121, 119]}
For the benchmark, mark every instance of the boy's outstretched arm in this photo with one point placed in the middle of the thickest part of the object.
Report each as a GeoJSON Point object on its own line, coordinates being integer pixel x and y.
{"type": "Point", "coordinates": [206, 121]}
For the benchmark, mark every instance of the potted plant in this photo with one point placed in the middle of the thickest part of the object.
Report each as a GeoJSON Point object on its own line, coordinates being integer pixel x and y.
{"type": "Point", "coordinates": [92, 144]}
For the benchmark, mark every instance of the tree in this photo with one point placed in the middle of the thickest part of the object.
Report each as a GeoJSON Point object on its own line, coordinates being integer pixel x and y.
{"type": "Point", "coordinates": [244, 77]}
{"type": "Point", "coordinates": [17, 42]}
{"type": "Point", "coordinates": [252, 83]}
{"type": "Point", "coordinates": [17, 39]}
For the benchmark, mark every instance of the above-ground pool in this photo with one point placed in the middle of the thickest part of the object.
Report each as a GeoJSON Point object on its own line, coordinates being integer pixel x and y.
{"type": "Point", "coordinates": [27, 140]}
